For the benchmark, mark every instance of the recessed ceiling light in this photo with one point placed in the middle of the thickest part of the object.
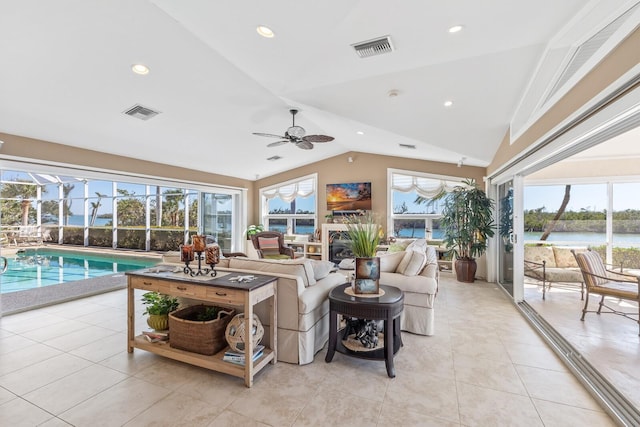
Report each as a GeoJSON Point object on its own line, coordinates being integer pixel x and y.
{"type": "Point", "coordinates": [360, 132]}
{"type": "Point", "coordinates": [448, 104]}
{"type": "Point", "coordinates": [455, 28]}
{"type": "Point", "coordinates": [140, 69]}
{"type": "Point", "coordinates": [265, 31]}
{"type": "Point", "coordinates": [393, 93]}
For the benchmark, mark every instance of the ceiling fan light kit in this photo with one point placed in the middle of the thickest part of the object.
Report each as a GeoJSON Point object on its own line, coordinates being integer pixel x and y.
{"type": "Point", "coordinates": [296, 135]}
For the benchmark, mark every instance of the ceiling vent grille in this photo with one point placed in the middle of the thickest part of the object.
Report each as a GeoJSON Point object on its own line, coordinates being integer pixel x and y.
{"type": "Point", "coordinates": [587, 49]}
{"type": "Point", "coordinates": [409, 146]}
{"type": "Point", "coordinates": [373, 47]}
{"type": "Point", "coordinates": [273, 158]}
{"type": "Point", "coordinates": [140, 112]}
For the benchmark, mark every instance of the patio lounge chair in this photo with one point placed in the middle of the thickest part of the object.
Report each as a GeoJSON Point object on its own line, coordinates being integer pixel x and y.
{"type": "Point", "coordinates": [607, 283]}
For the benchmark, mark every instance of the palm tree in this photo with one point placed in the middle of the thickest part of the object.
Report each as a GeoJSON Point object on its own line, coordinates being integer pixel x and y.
{"type": "Point", "coordinates": [94, 208]}
{"type": "Point", "coordinates": [66, 204]}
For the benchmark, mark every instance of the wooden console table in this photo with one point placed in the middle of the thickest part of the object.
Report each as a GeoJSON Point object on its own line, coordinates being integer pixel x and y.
{"type": "Point", "coordinates": [216, 290]}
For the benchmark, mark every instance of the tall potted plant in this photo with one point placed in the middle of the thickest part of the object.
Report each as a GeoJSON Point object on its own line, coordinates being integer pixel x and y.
{"type": "Point", "coordinates": [364, 237]}
{"type": "Point", "coordinates": [467, 222]}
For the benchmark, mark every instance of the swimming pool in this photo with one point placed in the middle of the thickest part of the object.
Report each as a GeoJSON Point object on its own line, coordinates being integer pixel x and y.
{"type": "Point", "coordinates": [36, 268]}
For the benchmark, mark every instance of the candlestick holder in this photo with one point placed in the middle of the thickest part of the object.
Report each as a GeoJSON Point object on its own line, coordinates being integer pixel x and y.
{"type": "Point", "coordinates": [200, 271]}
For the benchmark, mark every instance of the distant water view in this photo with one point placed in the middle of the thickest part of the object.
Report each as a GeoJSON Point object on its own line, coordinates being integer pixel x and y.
{"type": "Point", "coordinates": [79, 221]}
{"type": "Point", "coordinates": [596, 238]}
{"type": "Point", "coordinates": [416, 233]}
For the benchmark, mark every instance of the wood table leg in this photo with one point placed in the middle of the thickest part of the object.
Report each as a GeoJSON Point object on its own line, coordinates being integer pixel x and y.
{"type": "Point", "coordinates": [333, 335]}
{"type": "Point", "coordinates": [389, 332]}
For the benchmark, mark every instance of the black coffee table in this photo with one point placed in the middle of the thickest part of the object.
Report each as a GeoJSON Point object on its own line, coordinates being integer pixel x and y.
{"type": "Point", "coordinates": [387, 307]}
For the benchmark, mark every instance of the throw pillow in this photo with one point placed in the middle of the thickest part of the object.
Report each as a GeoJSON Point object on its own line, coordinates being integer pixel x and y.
{"type": "Point", "coordinates": [389, 262]}
{"type": "Point", "coordinates": [308, 269]}
{"type": "Point", "coordinates": [269, 245]}
{"type": "Point", "coordinates": [321, 269]}
{"type": "Point", "coordinates": [416, 263]}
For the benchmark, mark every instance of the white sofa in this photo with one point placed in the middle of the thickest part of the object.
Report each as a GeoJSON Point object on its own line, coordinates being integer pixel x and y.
{"type": "Point", "coordinates": [418, 279]}
{"type": "Point", "coordinates": [302, 296]}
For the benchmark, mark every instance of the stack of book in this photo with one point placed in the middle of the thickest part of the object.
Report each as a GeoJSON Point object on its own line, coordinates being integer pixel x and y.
{"type": "Point", "coordinates": [156, 336]}
{"type": "Point", "coordinates": [238, 358]}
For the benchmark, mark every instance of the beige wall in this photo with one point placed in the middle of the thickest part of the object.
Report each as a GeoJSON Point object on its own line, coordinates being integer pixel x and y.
{"type": "Point", "coordinates": [365, 168]}
{"type": "Point", "coordinates": [617, 63]}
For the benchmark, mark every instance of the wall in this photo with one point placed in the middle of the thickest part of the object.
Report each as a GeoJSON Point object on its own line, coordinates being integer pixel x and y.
{"type": "Point", "coordinates": [365, 168]}
{"type": "Point", "coordinates": [622, 59]}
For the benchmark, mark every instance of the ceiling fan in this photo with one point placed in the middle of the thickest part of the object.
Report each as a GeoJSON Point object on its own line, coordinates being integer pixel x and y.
{"type": "Point", "coordinates": [296, 135]}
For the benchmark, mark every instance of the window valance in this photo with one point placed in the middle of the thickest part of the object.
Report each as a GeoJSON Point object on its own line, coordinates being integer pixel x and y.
{"type": "Point", "coordinates": [425, 187]}
{"type": "Point", "coordinates": [288, 192]}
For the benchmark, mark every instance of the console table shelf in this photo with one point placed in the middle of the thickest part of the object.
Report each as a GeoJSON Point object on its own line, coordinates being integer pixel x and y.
{"type": "Point", "coordinates": [219, 290]}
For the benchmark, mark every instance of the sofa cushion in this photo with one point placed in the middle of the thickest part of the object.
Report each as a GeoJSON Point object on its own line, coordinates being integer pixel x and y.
{"type": "Point", "coordinates": [321, 269]}
{"type": "Point", "coordinates": [539, 254]}
{"type": "Point", "coordinates": [389, 262]}
{"type": "Point", "coordinates": [269, 246]}
{"type": "Point", "coordinates": [564, 257]}
{"type": "Point", "coordinates": [416, 263]}
{"type": "Point", "coordinates": [299, 267]}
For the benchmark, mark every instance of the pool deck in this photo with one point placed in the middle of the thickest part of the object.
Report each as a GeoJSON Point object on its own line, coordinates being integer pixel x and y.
{"type": "Point", "coordinates": [16, 302]}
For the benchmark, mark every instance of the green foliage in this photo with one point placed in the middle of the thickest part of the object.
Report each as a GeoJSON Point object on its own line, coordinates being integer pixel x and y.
{"type": "Point", "coordinates": [253, 229]}
{"type": "Point", "coordinates": [364, 234]}
{"type": "Point", "coordinates": [467, 220]}
{"type": "Point", "coordinates": [157, 303]}
{"type": "Point", "coordinates": [209, 313]}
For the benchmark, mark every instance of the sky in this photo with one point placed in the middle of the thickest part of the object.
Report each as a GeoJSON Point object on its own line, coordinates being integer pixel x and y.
{"type": "Point", "coordinates": [591, 197]}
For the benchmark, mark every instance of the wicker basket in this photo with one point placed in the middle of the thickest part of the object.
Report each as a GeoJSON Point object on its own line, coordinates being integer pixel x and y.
{"type": "Point", "coordinates": [203, 337]}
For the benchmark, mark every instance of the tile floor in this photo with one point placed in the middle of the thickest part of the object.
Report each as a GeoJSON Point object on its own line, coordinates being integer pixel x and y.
{"type": "Point", "coordinates": [609, 342]}
{"type": "Point", "coordinates": [67, 365]}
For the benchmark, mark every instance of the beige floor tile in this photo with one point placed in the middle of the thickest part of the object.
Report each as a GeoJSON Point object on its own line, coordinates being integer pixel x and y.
{"type": "Point", "coordinates": [24, 357]}
{"type": "Point", "coordinates": [108, 318]}
{"type": "Point", "coordinates": [559, 387]}
{"type": "Point", "coordinates": [116, 405]}
{"type": "Point", "coordinates": [233, 419]}
{"type": "Point", "coordinates": [73, 389]}
{"type": "Point", "coordinates": [270, 408]}
{"type": "Point", "coordinates": [12, 342]}
{"type": "Point", "coordinates": [391, 416]}
{"type": "Point", "coordinates": [494, 374]}
{"type": "Point", "coordinates": [78, 338]}
{"type": "Point", "coordinates": [54, 330]}
{"type": "Point", "coordinates": [108, 346]}
{"type": "Point", "coordinates": [536, 356]}
{"type": "Point", "coordinates": [168, 373]}
{"type": "Point", "coordinates": [559, 415]}
{"type": "Point", "coordinates": [339, 408]}
{"type": "Point", "coordinates": [424, 393]}
{"type": "Point", "coordinates": [39, 374]}
{"type": "Point", "coordinates": [177, 410]}
{"type": "Point", "coordinates": [131, 363]}
{"type": "Point", "coordinates": [215, 388]}
{"type": "Point", "coordinates": [480, 406]}
{"type": "Point", "coordinates": [360, 378]}
{"type": "Point", "coordinates": [18, 412]}
{"type": "Point", "coordinates": [55, 422]}
{"type": "Point", "coordinates": [5, 395]}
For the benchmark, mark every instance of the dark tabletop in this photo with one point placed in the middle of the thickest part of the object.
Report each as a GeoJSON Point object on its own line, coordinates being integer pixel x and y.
{"type": "Point", "coordinates": [391, 295]}
{"type": "Point", "coordinates": [223, 281]}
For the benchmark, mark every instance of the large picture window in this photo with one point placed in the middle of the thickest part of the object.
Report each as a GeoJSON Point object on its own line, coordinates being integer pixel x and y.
{"type": "Point", "coordinates": [290, 207]}
{"type": "Point", "coordinates": [413, 211]}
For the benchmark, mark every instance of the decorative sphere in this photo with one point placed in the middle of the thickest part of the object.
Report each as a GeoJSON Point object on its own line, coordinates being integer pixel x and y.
{"type": "Point", "coordinates": [236, 334]}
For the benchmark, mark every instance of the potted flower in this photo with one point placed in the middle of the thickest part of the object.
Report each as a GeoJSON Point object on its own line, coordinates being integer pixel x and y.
{"type": "Point", "coordinates": [364, 237]}
{"type": "Point", "coordinates": [158, 307]}
{"type": "Point", "coordinates": [253, 229]}
{"type": "Point", "coordinates": [467, 223]}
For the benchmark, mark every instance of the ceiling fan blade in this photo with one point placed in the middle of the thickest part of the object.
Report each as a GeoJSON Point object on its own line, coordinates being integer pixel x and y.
{"type": "Point", "coordinates": [305, 145]}
{"type": "Point", "coordinates": [275, 144]}
{"type": "Point", "coordinates": [317, 138]}
{"type": "Point", "coordinates": [269, 135]}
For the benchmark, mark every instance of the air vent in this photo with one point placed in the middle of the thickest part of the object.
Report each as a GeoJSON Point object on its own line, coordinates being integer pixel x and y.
{"type": "Point", "coordinates": [140, 112]}
{"type": "Point", "coordinates": [274, 158]}
{"type": "Point", "coordinates": [409, 146]}
{"type": "Point", "coordinates": [373, 47]}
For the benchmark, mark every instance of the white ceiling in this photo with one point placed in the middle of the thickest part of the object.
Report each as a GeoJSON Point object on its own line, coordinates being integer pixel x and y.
{"type": "Point", "coordinates": [65, 76]}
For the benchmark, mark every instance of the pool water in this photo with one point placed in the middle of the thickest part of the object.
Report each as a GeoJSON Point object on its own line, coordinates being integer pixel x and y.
{"type": "Point", "coordinates": [35, 268]}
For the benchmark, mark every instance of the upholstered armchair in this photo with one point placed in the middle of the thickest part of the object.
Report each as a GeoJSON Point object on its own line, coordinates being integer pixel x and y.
{"type": "Point", "coordinates": [270, 245]}
{"type": "Point", "coordinates": [607, 283]}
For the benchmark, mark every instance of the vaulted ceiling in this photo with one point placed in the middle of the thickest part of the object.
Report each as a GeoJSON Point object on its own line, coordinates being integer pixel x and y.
{"type": "Point", "coordinates": [66, 77]}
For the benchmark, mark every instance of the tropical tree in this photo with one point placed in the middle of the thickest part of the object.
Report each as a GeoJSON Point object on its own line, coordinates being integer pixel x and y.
{"type": "Point", "coordinates": [22, 193]}
{"type": "Point", "coordinates": [131, 211]}
{"type": "Point", "coordinates": [94, 208]}
{"type": "Point", "coordinates": [563, 206]}
{"type": "Point", "coordinates": [66, 203]}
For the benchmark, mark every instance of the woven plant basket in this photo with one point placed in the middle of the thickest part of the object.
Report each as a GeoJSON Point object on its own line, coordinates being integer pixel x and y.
{"type": "Point", "coordinates": [202, 337]}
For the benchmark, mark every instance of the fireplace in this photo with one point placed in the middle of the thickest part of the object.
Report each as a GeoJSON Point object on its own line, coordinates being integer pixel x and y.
{"type": "Point", "coordinates": [338, 243]}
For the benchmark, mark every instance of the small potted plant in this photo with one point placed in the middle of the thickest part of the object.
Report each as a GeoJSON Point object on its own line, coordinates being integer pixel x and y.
{"type": "Point", "coordinates": [253, 229]}
{"type": "Point", "coordinates": [158, 307]}
{"type": "Point", "coordinates": [364, 237]}
{"type": "Point", "coordinates": [329, 218]}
